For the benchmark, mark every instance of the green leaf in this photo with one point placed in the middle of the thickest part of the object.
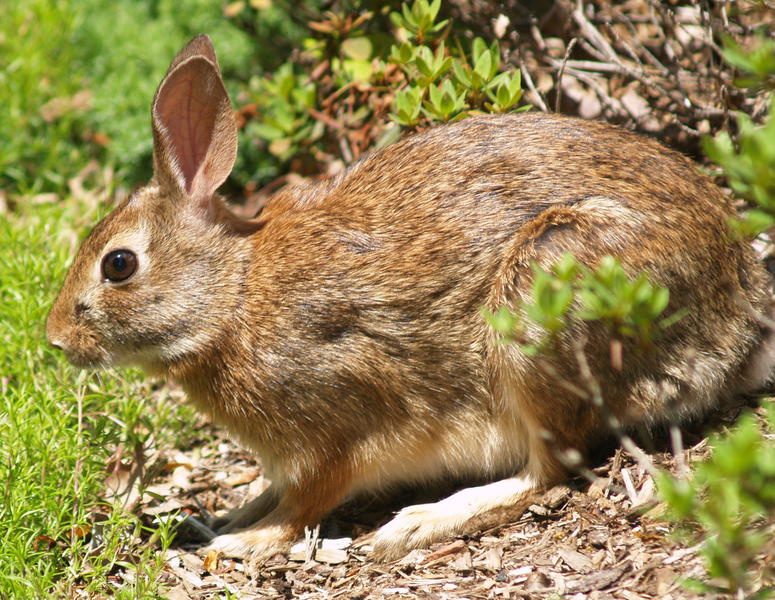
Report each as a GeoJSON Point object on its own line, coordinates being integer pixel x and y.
{"type": "Point", "coordinates": [439, 26]}
{"type": "Point", "coordinates": [567, 267]}
{"type": "Point", "coordinates": [423, 60]}
{"type": "Point", "coordinates": [478, 47]}
{"type": "Point", "coordinates": [441, 63]}
{"type": "Point", "coordinates": [515, 85]}
{"type": "Point", "coordinates": [409, 20]}
{"type": "Point", "coordinates": [504, 321]}
{"type": "Point", "coordinates": [434, 94]}
{"type": "Point", "coordinates": [753, 223]}
{"type": "Point", "coordinates": [358, 70]}
{"type": "Point", "coordinates": [433, 10]}
{"type": "Point", "coordinates": [357, 48]}
{"type": "Point", "coordinates": [483, 64]}
{"type": "Point", "coordinates": [503, 97]}
{"type": "Point", "coordinates": [461, 73]}
{"type": "Point", "coordinates": [757, 60]}
{"type": "Point", "coordinates": [266, 132]}
{"type": "Point", "coordinates": [659, 301]}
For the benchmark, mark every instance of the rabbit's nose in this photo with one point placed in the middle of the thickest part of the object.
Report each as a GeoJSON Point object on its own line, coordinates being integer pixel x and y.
{"type": "Point", "coordinates": [54, 341]}
{"type": "Point", "coordinates": [55, 333]}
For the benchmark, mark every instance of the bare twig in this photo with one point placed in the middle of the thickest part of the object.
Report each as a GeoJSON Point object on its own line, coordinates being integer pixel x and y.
{"type": "Point", "coordinates": [629, 486]}
{"type": "Point", "coordinates": [79, 462]}
{"type": "Point", "coordinates": [611, 420]}
{"type": "Point", "coordinates": [678, 450]}
{"type": "Point", "coordinates": [536, 94]}
{"type": "Point", "coordinates": [310, 542]}
{"type": "Point", "coordinates": [568, 50]}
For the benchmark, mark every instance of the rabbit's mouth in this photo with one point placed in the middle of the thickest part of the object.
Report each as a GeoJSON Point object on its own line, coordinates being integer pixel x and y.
{"type": "Point", "coordinates": [81, 350]}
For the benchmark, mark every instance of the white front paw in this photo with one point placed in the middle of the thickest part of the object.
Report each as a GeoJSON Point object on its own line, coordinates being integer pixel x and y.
{"type": "Point", "coordinates": [256, 544]}
{"type": "Point", "coordinates": [232, 545]}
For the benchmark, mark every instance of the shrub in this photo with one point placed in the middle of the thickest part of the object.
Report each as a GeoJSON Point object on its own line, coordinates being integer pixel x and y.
{"type": "Point", "coordinates": [729, 504]}
{"type": "Point", "coordinates": [354, 87]}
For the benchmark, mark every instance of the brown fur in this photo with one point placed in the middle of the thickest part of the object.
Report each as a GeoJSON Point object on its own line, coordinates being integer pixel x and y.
{"type": "Point", "coordinates": [338, 334]}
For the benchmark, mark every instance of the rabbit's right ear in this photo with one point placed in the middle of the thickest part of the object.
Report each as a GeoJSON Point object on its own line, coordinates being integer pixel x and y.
{"type": "Point", "coordinates": [195, 134]}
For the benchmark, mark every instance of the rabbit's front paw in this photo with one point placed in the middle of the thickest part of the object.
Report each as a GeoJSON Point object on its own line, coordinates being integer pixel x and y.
{"type": "Point", "coordinates": [251, 544]}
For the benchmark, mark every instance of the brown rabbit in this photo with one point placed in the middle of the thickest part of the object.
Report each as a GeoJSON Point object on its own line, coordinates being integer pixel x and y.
{"type": "Point", "coordinates": [338, 334]}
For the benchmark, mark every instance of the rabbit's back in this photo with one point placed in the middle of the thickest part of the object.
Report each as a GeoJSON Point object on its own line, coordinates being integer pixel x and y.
{"type": "Point", "coordinates": [498, 172]}
{"type": "Point", "coordinates": [438, 220]}
{"type": "Point", "coordinates": [442, 209]}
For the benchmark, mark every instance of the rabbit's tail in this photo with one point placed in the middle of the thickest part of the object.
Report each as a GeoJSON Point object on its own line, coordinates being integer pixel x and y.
{"type": "Point", "coordinates": [759, 374]}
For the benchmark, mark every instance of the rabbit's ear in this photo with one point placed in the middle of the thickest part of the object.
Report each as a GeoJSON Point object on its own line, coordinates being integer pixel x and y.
{"type": "Point", "coordinates": [201, 45]}
{"type": "Point", "coordinates": [195, 134]}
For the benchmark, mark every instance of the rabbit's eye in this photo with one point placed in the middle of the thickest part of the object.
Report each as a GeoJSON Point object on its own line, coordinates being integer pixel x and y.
{"type": "Point", "coordinates": [119, 265]}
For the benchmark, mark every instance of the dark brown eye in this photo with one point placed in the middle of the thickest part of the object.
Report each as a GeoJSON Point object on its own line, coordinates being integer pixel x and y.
{"type": "Point", "coordinates": [119, 265]}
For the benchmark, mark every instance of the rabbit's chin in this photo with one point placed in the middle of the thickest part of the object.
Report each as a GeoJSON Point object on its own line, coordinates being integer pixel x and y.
{"type": "Point", "coordinates": [100, 358]}
{"type": "Point", "coordinates": [89, 361]}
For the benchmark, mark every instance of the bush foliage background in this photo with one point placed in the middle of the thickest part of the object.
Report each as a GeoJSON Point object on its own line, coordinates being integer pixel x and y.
{"type": "Point", "coordinates": [315, 82]}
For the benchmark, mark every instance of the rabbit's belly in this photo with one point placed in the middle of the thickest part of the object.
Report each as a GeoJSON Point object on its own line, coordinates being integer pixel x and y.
{"type": "Point", "coordinates": [473, 446]}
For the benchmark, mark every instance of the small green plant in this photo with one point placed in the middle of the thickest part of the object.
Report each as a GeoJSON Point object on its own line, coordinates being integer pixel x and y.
{"type": "Point", "coordinates": [628, 307]}
{"type": "Point", "coordinates": [757, 63]}
{"type": "Point", "coordinates": [729, 500]}
{"type": "Point", "coordinates": [449, 83]}
{"type": "Point", "coordinates": [356, 83]}
{"type": "Point", "coordinates": [444, 101]}
{"type": "Point", "coordinates": [429, 66]}
{"type": "Point", "coordinates": [749, 169]}
{"type": "Point", "coordinates": [418, 21]}
{"type": "Point", "coordinates": [408, 104]}
{"type": "Point", "coordinates": [286, 123]}
{"type": "Point", "coordinates": [748, 161]}
{"type": "Point", "coordinates": [729, 503]}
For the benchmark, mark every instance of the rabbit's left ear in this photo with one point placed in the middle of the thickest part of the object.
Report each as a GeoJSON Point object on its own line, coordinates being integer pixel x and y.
{"type": "Point", "coordinates": [201, 45]}
{"type": "Point", "coordinates": [195, 134]}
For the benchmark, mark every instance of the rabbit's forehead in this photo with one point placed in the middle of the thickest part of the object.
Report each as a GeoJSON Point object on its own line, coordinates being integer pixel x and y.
{"type": "Point", "coordinates": [124, 229]}
{"type": "Point", "coordinates": [135, 239]}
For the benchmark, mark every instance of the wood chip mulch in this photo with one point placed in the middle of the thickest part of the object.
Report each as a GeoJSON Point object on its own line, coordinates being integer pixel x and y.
{"type": "Point", "coordinates": [605, 539]}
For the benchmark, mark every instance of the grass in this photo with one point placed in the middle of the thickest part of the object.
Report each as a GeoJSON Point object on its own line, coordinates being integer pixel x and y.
{"type": "Point", "coordinates": [58, 429]}
{"type": "Point", "coordinates": [76, 83]}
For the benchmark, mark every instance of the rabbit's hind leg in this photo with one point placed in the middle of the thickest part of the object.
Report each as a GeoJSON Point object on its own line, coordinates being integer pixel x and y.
{"type": "Point", "coordinates": [467, 511]}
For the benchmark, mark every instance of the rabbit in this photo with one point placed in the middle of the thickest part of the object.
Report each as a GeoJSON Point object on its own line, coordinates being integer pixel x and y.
{"type": "Point", "coordinates": [338, 334]}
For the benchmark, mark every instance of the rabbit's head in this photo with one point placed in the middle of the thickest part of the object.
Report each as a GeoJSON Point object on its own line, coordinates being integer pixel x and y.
{"type": "Point", "coordinates": [153, 279]}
